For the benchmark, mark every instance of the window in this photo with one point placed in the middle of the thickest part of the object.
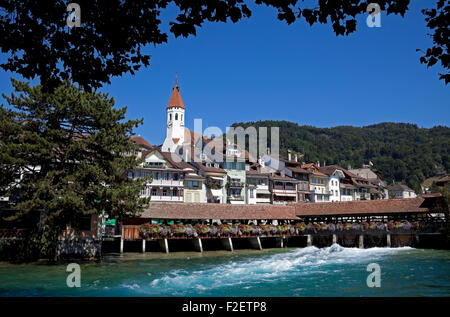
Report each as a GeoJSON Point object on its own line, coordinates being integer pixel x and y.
{"type": "Point", "coordinates": [251, 192]}
{"type": "Point", "coordinates": [175, 192]}
{"type": "Point", "coordinates": [154, 192]}
{"type": "Point", "coordinates": [170, 116]}
{"type": "Point", "coordinates": [197, 197]}
{"type": "Point", "coordinates": [176, 116]}
{"type": "Point", "coordinates": [181, 117]}
{"type": "Point", "coordinates": [188, 197]}
{"type": "Point", "coordinates": [165, 192]}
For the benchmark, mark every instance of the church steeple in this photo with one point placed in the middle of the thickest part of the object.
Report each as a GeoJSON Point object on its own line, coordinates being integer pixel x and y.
{"type": "Point", "coordinates": [175, 120]}
{"type": "Point", "coordinates": [175, 98]}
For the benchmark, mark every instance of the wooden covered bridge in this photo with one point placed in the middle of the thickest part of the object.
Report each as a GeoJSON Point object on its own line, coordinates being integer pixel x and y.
{"type": "Point", "coordinates": [393, 222]}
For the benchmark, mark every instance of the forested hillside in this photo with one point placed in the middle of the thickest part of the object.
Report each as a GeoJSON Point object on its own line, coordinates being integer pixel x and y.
{"type": "Point", "coordinates": [400, 151]}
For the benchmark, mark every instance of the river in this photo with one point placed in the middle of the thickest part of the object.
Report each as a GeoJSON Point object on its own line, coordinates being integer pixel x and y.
{"type": "Point", "coordinates": [331, 271]}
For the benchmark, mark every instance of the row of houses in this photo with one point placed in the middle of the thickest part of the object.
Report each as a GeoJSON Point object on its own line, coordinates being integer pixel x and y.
{"type": "Point", "coordinates": [190, 167]}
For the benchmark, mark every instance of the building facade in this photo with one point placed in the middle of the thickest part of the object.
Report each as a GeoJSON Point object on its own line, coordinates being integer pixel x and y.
{"type": "Point", "coordinates": [400, 191]}
{"type": "Point", "coordinates": [284, 189]}
{"type": "Point", "coordinates": [318, 182]}
{"type": "Point", "coordinates": [258, 191]}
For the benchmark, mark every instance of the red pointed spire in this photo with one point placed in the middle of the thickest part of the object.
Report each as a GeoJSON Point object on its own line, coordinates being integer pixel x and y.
{"type": "Point", "coordinates": [175, 98]}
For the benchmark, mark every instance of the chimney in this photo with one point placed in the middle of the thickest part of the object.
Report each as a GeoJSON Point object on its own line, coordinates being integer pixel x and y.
{"type": "Point", "coordinates": [318, 163]}
{"type": "Point", "coordinates": [282, 173]}
{"type": "Point", "coordinates": [296, 157]}
{"type": "Point", "coordinates": [289, 155]}
{"type": "Point", "coordinates": [324, 163]}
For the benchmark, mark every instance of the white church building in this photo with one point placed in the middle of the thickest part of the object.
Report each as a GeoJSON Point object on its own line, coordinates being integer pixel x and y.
{"type": "Point", "coordinates": [175, 131]}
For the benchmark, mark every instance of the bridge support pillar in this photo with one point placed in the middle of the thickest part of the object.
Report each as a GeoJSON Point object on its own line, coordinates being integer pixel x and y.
{"type": "Point", "coordinates": [361, 241]}
{"type": "Point", "coordinates": [309, 240]}
{"type": "Point", "coordinates": [121, 245]}
{"type": "Point", "coordinates": [334, 239]}
{"type": "Point", "coordinates": [164, 245]}
{"type": "Point", "coordinates": [388, 240]}
{"type": "Point", "coordinates": [198, 245]}
{"type": "Point", "coordinates": [143, 245]}
{"type": "Point", "coordinates": [227, 244]}
{"type": "Point", "coordinates": [256, 243]}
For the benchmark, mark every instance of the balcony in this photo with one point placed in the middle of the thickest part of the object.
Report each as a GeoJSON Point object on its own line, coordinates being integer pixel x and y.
{"type": "Point", "coordinates": [284, 192]}
{"type": "Point", "coordinates": [236, 184]}
{"type": "Point", "coordinates": [165, 182]}
{"type": "Point", "coordinates": [263, 200]}
{"type": "Point", "coordinates": [235, 198]}
{"type": "Point", "coordinates": [167, 198]}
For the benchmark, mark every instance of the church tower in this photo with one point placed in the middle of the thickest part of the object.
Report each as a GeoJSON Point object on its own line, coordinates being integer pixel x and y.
{"type": "Point", "coordinates": [174, 121]}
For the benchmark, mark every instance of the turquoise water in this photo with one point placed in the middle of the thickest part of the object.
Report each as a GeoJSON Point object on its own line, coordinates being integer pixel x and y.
{"type": "Point", "coordinates": [332, 271]}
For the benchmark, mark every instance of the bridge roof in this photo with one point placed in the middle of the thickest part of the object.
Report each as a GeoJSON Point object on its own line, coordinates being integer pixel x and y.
{"type": "Point", "coordinates": [361, 207]}
{"type": "Point", "coordinates": [170, 210]}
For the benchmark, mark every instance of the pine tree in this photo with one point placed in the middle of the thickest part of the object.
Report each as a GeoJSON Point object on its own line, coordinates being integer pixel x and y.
{"type": "Point", "coordinates": [73, 151]}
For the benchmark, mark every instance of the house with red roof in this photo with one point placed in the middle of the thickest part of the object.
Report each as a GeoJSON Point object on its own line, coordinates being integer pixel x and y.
{"type": "Point", "coordinates": [168, 176]}
{"type": "Point", "coordinates": [318, 183]}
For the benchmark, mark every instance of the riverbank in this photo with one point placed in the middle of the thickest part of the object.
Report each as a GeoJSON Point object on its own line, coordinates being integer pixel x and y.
{"type": "Point", "coordinates": [330, 271]}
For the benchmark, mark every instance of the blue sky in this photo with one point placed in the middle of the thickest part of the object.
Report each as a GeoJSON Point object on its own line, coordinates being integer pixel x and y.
{"type": "Point", "coordinates": [263, 69]}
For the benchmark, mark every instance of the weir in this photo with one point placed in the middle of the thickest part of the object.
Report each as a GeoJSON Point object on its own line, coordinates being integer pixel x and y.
{"type": "Point", "coordinates": [255, 243]}
{"type": "Point", "coordinates": [164, 245]}
{"type": "Point", "coordinates": [227, 244]}
{"type": "Point", "coordinates": [413, 222]}
{"type": "Point", "coordinates": [319, 240]}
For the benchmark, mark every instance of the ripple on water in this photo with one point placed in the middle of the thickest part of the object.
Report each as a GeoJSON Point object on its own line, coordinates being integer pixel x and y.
{"type": "Point", "coordinates": [332, 271]}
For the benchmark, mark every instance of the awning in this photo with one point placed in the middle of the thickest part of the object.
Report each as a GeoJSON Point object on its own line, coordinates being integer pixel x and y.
{"type": "Point", "coordinates": [286, 194]}
{"type": "Point", "coordinates": [216, 177]}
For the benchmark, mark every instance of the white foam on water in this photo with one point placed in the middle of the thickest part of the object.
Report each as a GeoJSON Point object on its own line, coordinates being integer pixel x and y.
{"type": "Point", "coordinates": [267, 268]}
{"type": "Point", "coordinates": [132, 286]}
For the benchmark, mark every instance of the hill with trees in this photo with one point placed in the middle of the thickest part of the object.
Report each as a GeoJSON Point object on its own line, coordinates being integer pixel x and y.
{"type": "Point", "coordinates": [400, 151]}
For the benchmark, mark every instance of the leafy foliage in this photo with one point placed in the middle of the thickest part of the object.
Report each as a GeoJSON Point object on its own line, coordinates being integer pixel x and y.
{"type": "Point", "coordinates": [438, 20]}
{"type": "Point", "coordinates": [62, 154]}
{"type": "Point", "coordinates": [400, 151]}
{"type": "Point", "coordinates": [113, 33]}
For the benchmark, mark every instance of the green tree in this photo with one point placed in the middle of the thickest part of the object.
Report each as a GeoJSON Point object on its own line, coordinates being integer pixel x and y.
{"type": "Point", "coordinates": [400, 151]}
{"type": "Point", "coordinates": [73, 151]}
{"type": "Point", "coordinates": [114, 33]}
